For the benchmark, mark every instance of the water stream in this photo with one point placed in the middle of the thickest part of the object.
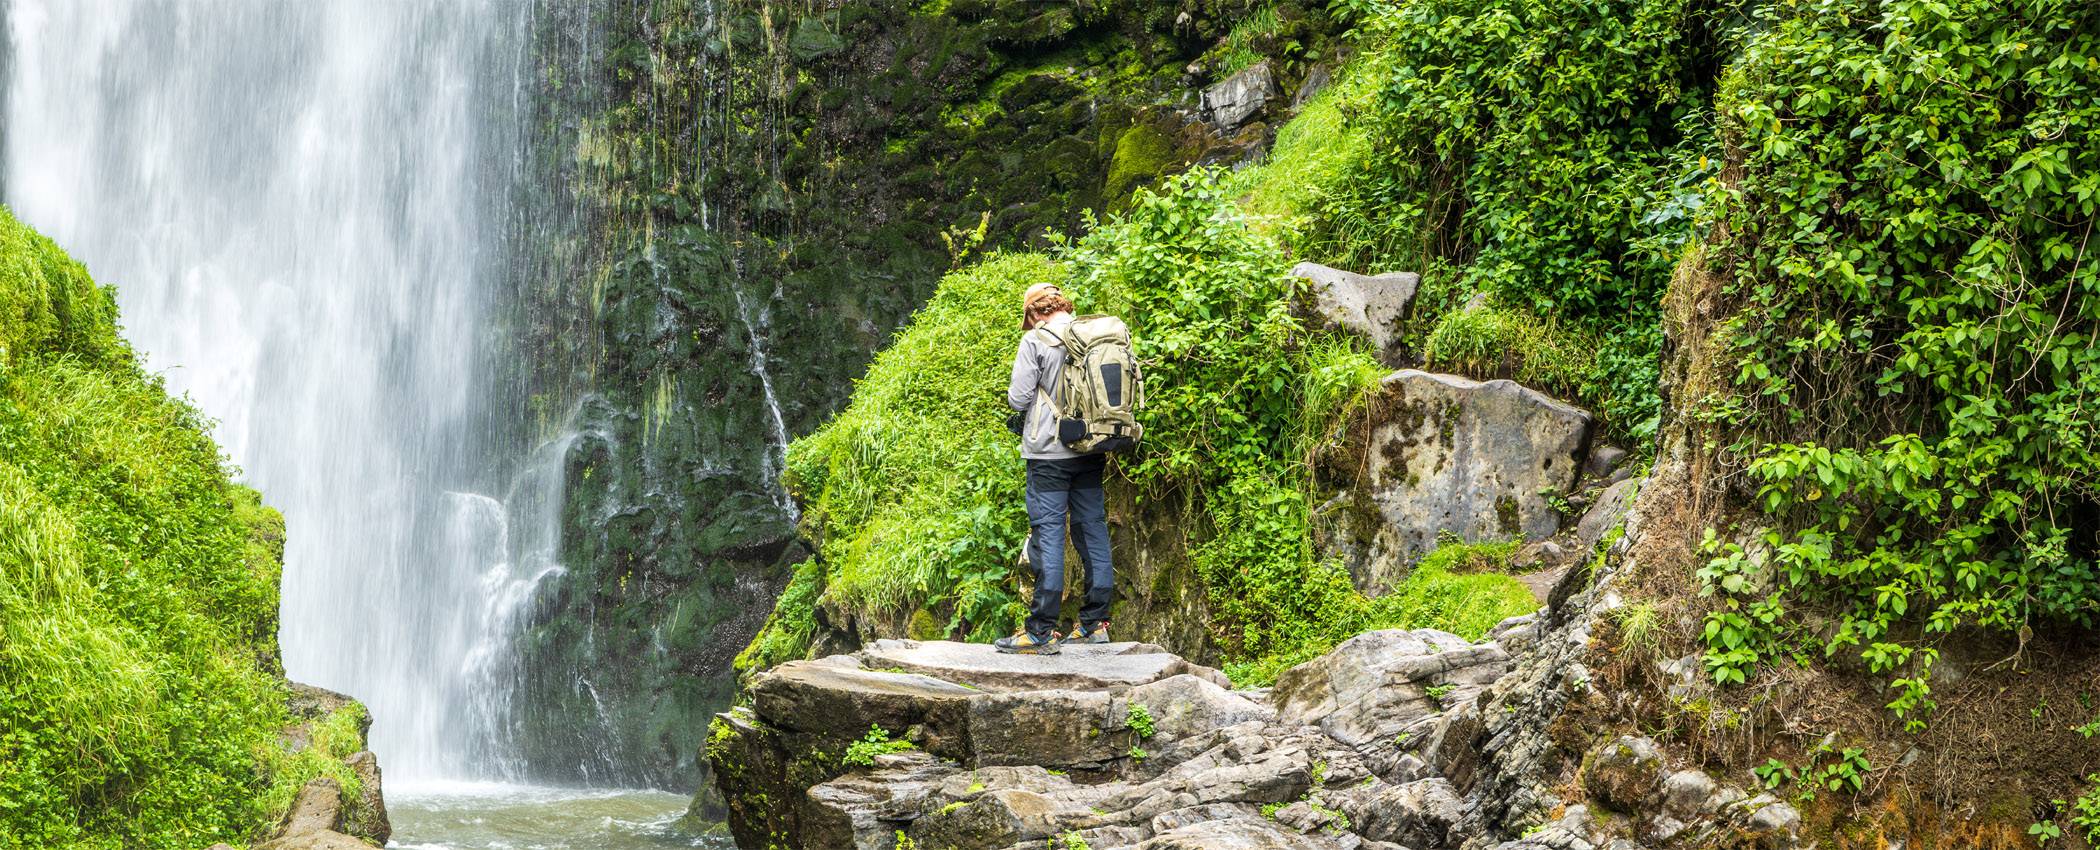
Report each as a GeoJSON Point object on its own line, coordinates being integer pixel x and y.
{"type": "Point", "coordinates": [302, 205]}
{"type": "Point", "coordinates": [484, 816]}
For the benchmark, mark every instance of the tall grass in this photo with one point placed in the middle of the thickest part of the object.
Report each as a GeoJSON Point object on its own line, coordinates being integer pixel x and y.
{"type": "Point", "coordinates": [139, 705]}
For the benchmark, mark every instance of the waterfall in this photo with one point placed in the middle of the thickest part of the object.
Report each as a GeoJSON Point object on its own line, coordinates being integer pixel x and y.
{"type": "Point", "coordinates": [755, 328]}
{"type": "Point", "coordinates": [301, 204]}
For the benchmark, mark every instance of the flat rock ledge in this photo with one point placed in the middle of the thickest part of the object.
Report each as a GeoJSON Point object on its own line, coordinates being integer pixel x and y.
{"type": "Point", "coordinates": [1119, 745]}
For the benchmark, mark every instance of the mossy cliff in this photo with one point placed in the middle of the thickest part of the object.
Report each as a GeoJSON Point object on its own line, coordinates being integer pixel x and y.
{"type": "Point", "coordinates": [737, 204]}
{"type": "Point", "coordinates": [141, 696]}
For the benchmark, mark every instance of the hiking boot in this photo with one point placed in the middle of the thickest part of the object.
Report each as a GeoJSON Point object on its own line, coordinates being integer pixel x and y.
{"type": "Point", "coordinates": [1082, 634]}
{"type": "Point", "coordinates": [1023, 643]}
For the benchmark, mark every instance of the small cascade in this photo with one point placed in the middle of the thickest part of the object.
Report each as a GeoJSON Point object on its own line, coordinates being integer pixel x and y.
{"type": "Point", "coordinates": [776, 460]}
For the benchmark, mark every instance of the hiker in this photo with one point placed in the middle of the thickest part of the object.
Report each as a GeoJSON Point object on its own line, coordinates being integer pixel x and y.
{"type": "Point", "coordinates": [1066, 452]}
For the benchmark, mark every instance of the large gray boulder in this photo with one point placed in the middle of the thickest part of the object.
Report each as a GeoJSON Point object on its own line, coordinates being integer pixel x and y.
{"type": "Point", "coordinates": [1237, 99]}
{"type": "Point", "coordinates": [1370, 307]}
{"type": "Point", "coordinates": [1436, 454]}
{"type": "Point", "coordinates": [1423, 813]}
{"type": "Point", "coordinates": [1384, 692]}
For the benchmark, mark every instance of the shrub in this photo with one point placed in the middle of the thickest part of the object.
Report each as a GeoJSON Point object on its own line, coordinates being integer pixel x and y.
{"type": "Point", "coordinates": [1913, 358]}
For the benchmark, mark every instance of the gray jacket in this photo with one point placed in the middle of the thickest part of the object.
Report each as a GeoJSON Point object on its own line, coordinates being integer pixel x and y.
{"type": "Point", "coordinates": [1034, 381]}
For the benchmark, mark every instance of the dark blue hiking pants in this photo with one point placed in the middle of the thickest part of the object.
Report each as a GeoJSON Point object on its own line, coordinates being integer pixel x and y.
{"type": "Point", "coordinates": [1057, 489]}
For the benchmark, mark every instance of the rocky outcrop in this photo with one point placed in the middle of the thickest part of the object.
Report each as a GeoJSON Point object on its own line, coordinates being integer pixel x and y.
{"type": "Point", "coordinates": [324, 815]}
{"type": "Point", "coordinates": [1395, 739]}
{"type": "Point", "coordinates": [1370, 307]}
{"type": "Point", "coordinates": [1435, 455]}
{"type": "Point", "coordinates": [319, 820]}
{"type": "Point", "coordinates": [1122, 745]}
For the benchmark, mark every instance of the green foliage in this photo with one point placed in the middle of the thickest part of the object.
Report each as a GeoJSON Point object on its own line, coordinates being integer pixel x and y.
{"type": "Point", "coordinates": [1493, 342]}
{"type": "Point", "coordinates": [877, 742]}
{"type": "Point", "coordinates": [329, 742]}
{"type": "Point", "coordinates": [913, 493]}
{"type": "Point", "coordinates": [138, 590]}
{"type": "Point", "coordinates": [1914, 363]}
{"type": "Point", "coordinates": [1563, 185]}
{"type": "Point", "coordinates": [2085, 811]}
{"type": "Point", "coordinates": [1454, 588]}
{"type": "Point", "coordinates": [1638, 622]}
{"type": "Point", "coordinates": [1567, 189]}
{"type": "Point", "coordinates": [1828, 769]}
{"type": "Point", "coordinates": [1072, 840]}
{"type": "Point", "coordinates": [1139, 719]}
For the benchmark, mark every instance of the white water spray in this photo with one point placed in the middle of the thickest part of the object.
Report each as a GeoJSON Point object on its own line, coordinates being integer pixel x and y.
{"type": "Point", "coordinates": [298, 204]}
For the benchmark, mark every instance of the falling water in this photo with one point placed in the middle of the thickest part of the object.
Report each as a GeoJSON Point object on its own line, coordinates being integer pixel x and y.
{"type": "Point", "coordinates": [776, 458]}
{"type": "Point", "coordinates": [299, 202]}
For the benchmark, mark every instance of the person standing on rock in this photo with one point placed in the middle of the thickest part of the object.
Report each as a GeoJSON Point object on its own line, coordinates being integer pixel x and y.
{"type": "Point", "coordinates": [1064, 481]}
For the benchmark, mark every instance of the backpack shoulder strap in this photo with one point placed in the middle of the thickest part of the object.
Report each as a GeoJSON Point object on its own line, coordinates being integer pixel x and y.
{"type": "Point", "coordinates": [1047, 337]}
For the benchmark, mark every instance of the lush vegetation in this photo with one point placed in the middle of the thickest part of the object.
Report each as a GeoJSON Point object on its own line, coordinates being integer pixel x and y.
{"type": "Point", "coordinates": [1565, 212]}
{"type": "Point", "coordinates": [913, 493]}
{"type": "Point", "coordinates": [139, 698]}
{"type": "Point", "coordinates": [1914, 357]}
{"type": "Point", "coordinates": [1893, 198]}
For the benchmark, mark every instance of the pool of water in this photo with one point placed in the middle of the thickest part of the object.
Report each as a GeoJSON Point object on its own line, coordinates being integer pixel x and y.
{"type": "Point", "coordinates": [488, 816]}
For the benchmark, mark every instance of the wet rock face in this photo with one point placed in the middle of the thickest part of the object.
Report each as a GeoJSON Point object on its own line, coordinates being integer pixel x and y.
{"type": "Point", "coordinates": [1370, 307]}
{"type": "Point", "coordinates": [1445, 454]}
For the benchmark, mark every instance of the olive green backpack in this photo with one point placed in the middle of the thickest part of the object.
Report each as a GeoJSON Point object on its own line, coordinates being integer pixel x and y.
{"type": "Point", "coordinates": [1100, 389]}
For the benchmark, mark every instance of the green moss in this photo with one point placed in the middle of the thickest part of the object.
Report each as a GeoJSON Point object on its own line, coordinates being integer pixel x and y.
{"type": "Point", "coordinates": [1143, 154]}
{"type": "Point", "coordinates": [924, 626]}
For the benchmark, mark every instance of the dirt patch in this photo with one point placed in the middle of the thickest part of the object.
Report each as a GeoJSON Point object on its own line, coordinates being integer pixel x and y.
{"type": "Point", "coordinates": [1541, 583]}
